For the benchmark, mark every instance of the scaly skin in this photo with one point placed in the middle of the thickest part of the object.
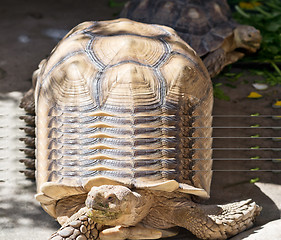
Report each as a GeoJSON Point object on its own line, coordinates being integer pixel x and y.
{"type": "Point", "coordinates": [168, 210]}
{"type": "Point", "coordinates": [79, 226]}
{"type": "Point", "coordinates": [207, 221]}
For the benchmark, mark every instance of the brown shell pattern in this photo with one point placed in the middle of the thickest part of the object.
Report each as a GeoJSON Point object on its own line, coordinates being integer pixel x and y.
{"type": "Point", "coordinates": [203, 24]}
{"type": "Point", "coordinates": [122, 102]}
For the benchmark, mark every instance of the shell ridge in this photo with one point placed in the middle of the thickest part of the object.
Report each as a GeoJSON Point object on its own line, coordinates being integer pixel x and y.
{"type": "Point", "coordinates": [204, 73]}
{"type": "Point", "coordinates": [95, 60]}
{"type": "Point", "coordinates": [41, 82]}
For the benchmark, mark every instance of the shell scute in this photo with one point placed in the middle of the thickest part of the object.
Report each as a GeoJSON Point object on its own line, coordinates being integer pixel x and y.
{"type": "Point", "coordinates": [192, 20]}
{"type": "Point", "coordinates": [128, 48]}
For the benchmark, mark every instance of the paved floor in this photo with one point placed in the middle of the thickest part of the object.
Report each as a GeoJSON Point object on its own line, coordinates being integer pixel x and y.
{"type": "Point", "coordinates": [21, 217]}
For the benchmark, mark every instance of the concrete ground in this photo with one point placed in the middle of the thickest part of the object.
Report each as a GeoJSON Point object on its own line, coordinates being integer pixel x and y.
{"type": "Point", "coordinates": [29, 30]}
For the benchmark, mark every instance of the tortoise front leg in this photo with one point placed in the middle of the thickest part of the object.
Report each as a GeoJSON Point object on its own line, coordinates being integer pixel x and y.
{"type": "Point", "coordinates": [218, 59]}
{"type": "Point", "coordinates": [80, 227]}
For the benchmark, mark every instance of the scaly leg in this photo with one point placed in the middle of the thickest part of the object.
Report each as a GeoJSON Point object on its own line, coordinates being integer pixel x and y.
{"type": "Point", "coordinates": [216, 221]}
{"type": "Point", "coordinates": [79, 227]}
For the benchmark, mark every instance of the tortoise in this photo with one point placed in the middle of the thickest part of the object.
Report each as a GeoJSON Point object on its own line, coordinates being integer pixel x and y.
{"type": "Point", "coordinates": [205, 25]}
{"type": "Point", "coordinates": [123, 136]}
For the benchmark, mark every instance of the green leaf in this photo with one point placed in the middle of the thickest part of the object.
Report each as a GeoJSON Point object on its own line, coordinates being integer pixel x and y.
{"type": "Point", "coordinates": [254, 114]}
{"type": "Point", "coordinates": [273, 27]}
{"type": "Point", "coordinates": [254, 180]}
{"type": "Point", "coordinates": [267, 18]}
{"type": "Point", "coordinates": [230, 85]}
{"type": "Point", "coordinates": [272, 49]}
{"type": "Point", "coordinates": [255, 169]}
{"type": "Point", "coordinates": [255, 136]}
{"type": "Point", "coordinates": [255, 126]}
{"type": "Point", "coordinates": [219, 93]}
{"type": "Point", "coordinates": [113, 4]}
{"type": "Point", "coordinates": [229, 74]}
{"type": "Point", "coordinates": [255, 147]}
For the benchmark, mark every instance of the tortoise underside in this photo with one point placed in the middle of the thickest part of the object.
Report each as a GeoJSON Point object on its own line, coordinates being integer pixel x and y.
{"type": "Point", "coordinates": [122, 103]}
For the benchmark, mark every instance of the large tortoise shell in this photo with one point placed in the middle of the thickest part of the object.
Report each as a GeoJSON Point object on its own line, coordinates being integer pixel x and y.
{"type": "Point", "coordinates": [203, 24]}
{"type": "Point", "coordinates": [121, 102]}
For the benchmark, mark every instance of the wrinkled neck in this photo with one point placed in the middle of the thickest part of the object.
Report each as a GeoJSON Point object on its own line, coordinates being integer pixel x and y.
{"type": "Point", "coordinates": [144, 201]}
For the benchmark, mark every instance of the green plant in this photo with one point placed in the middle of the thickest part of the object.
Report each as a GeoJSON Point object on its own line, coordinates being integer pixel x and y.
{"type": "Point", "coordinates": [219, 93]}
{"type": "Point", "coordinates": [113, 3]}
{"type": "Point", "coordinates": [271, 78]}
{"type": "Point", "coordinates": [254, 180]}
{"type": "Point", "coordinates": [265, 16]}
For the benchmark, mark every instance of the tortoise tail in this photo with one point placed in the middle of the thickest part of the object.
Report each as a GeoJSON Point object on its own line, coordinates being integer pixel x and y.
{"type": "Point", "coordinates": [28, 104]}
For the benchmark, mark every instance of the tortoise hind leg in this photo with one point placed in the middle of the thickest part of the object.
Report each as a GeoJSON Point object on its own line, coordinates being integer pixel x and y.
{"type": "Point", "coordinates": [216, 221]}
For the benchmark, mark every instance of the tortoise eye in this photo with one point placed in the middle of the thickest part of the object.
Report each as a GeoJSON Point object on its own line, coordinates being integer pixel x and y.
{"type": "Point", "coordinates": [110, 198]}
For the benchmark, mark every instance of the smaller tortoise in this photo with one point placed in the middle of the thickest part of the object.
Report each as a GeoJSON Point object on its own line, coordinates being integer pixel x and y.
{"type": "Point", "coordinates": [123, 136]}
{"type": "Point", "coordinates": [205, 25]}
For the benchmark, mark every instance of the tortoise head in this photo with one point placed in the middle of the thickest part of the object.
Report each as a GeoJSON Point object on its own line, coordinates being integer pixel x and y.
{"type": "Point", "coordinates": [247, 37]}
{"type": "Point", "coordinates": [115, 205]}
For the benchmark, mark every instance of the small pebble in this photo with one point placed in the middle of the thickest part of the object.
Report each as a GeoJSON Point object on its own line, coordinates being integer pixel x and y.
{"type": "Point", "coordinates": [81, 237]}
{"type": "Point", "coordinates": [23, 39]}
{"type": "Point", "coordinates": [90, 221]}
{"type": "Point", "coordinates": [54, 33]}
{"type": "Point", "coordinates": [87, 235]}
{"type": "Point", "coordinates": [75, 224]}
{"type": "Point", "coordinates": [260, 86]}
{"type": "Point", "coordinates": [66, 232]}
{"type": "Point", "coordinates": [83, 229]}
